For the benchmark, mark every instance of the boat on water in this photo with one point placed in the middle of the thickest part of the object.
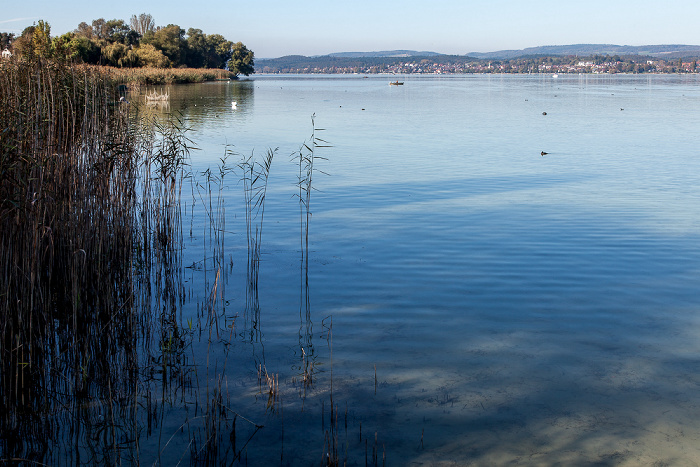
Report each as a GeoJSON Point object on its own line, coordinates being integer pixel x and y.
{"type": "Point", "coordinates": [396, 83]}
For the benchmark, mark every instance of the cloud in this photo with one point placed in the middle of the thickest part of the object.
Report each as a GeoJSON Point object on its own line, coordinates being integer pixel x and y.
{"type": "Point", "coordinates": [17, 19]}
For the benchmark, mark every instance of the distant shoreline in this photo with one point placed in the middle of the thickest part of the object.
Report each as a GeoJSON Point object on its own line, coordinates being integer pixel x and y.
{"type": "Point", "coordinates": [361, 75]}
{"type": "Point", "coordinates": [461, 64]}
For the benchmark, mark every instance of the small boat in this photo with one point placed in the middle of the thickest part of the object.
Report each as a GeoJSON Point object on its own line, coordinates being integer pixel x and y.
{"type": "Point", "coordinates": [396, 83]}
{"type": "Point", "coordinates": [555, 75]}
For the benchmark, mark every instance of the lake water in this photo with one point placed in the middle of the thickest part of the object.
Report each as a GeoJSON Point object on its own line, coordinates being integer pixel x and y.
{"type": "Point", "coordinates": [470, 301]}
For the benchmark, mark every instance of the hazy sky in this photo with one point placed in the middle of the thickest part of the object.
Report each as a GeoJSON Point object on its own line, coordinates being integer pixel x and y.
{"type": "Point", "coordinates": [314, 27]}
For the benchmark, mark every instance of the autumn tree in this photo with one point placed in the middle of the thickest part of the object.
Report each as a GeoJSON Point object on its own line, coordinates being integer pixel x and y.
{"type": "Point", "coordinates": [35, 41]}
{"type": "Point", "coordinates": [148, 55]}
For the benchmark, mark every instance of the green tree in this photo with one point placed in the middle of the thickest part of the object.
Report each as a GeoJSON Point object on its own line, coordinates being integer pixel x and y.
{"type": "Point", "coordinates": [171, 41]}
{"type": "Point", "coordinates": [116, 54]}
{"type": "Point", "coordinates": [209, 51]}
{"type": "Point", "coordinates": [82, 49]}
{"type": "Point", "coordinates": [242, 60]}
{"type": "Point", "coordinates": [220, 51]}
{"type": "Point", "coordinates": [99, 29]}
{"type": "Point", "coordinates": [104, 32]}
{"type": "Point", "coordinates": [197, 48]}
{"type": "Point", "coordinates": [120, 32]}
{"type": "Point", "coordinates": [42, 39]}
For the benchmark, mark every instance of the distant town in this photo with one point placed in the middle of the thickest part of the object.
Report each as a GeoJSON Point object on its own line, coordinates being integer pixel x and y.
{"type": "Point", "coordinates": [575, 58]}
{"type": "Point", "coordinates": [461, 64]}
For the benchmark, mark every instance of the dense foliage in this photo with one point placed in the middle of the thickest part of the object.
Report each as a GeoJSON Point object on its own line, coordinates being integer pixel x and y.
{"type": "Point", "coordinates": [137, 44]}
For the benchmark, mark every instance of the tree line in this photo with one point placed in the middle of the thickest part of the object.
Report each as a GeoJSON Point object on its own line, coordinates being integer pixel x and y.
{"type": "Point", "coordinates": [136, 44]}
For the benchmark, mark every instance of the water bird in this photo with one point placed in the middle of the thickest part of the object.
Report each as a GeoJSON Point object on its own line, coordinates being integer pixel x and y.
{"type": "Point", "coordinates": [544, 113]}
{"type": "Point", "coordinates": [234, 104]}
{"type": "Point", "coordinates": [543, 153]}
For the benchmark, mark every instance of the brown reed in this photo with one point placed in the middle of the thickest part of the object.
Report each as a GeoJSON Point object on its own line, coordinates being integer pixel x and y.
{"type": "Point", "coordinates": [67, 204]}
{"type": "Point", "coordinates": [90, 232]}
{"type": "Point", "coordinates": [159, 76]}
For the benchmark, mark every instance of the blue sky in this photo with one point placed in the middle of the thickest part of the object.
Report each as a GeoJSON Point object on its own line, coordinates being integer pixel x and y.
{"type": "Point", "coordinates": [313, 27]}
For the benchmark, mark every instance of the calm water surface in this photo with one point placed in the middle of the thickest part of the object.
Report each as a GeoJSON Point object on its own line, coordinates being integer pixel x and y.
{"type": "Point", "coordinates": [471, 301]}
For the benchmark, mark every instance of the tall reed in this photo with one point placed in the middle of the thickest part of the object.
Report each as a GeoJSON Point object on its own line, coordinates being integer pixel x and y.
{"type": "Point", "coordinates": [94, 355]}
{"type": "Point", "coordinates": [68, 197]}
{"type": "Point", "coordinates": [254, 175]}
{"type": "Point", "coordinates": [306, 157]}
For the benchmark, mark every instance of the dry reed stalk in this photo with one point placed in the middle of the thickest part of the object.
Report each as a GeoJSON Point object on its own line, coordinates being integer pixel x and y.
{"type": "Point", "coordinates": [254, 175]}
{"type": "Point", "coordinates": [67, 199]}
{"type": "Point", "coordinates": [89, 194]}
{"type": "Point", "coordinates": [306, 157]}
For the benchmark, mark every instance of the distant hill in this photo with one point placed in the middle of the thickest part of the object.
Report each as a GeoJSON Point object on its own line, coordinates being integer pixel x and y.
{"type": "Point", "coordinates": [411, 61]}
{"type": "Point", "coordinates": [660, 51]}
{"type": "Point", "coordinates": [668, 51]}
{"type": "Point", "coordinates": [295, 63]}
{"type": "Point", "coordinates": [389, 53]}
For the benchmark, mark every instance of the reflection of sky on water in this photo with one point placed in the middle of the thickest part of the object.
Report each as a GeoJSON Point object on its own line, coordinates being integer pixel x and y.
{"type": "Point", "coordinates": [515, 306]}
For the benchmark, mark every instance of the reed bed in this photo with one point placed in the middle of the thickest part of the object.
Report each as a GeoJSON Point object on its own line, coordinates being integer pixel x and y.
{"type": "Point", "coordinates": [68, 200]}
{"type": "Point", "coordinates": [90, 239]}
{"type": "Point", "coordinates": [94, 355]}
{"type": "Point", "coordinates": [160, 76]}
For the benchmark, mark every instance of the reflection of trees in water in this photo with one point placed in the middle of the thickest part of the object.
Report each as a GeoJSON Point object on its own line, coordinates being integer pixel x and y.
{"type": "Point", "coordinates": [199, 103]}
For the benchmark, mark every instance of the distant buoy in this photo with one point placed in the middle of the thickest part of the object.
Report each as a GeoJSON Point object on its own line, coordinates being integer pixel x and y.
{"type": "Point", "coordinates": [544, 113]}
